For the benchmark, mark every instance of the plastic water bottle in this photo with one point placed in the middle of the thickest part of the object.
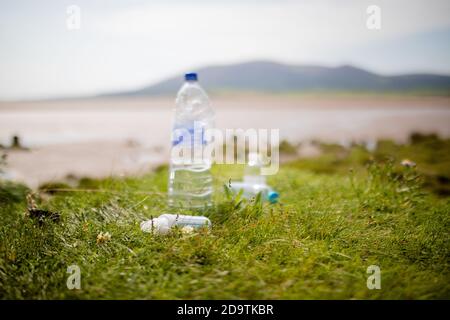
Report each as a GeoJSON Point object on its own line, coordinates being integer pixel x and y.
{"type": "Point", "coordinates": [190, 180]}
{"type": "Point", "coordinates": [254, 182]}
{"type": "Point", "coordinates": [252, 171]}
{"type": "Point", "coordinates": [251, 190]}
{"type": "Point", "coordinates": [165, 222]}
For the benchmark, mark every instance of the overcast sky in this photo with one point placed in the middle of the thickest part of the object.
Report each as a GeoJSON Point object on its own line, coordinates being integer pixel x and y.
{"type": "Point", "coordinates": [129, 44]}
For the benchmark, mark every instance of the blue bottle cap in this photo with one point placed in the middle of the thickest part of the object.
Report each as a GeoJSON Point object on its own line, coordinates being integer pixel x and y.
{"type": "Point", "coordinates": [190, 76]}
{"type": "Point", "coordinates": [273, 196]}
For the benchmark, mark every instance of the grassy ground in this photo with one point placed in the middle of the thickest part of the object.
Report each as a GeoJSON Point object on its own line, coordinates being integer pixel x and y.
{"type": "Point", "coordinates": [339, 213]}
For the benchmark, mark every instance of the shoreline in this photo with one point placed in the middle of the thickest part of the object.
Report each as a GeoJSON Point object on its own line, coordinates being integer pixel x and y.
{"type": "Point", "coordinates": [263, 101]}
{"type": "Point", "coordinates": [119, 136]}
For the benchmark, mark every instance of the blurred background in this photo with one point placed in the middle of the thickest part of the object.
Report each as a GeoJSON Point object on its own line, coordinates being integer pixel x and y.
{"type": "Point", "coordinates": [87, 88]}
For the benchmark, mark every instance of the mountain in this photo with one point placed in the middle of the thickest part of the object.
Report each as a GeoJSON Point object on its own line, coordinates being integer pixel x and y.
{"type": "Point", "coordinates": [275, 77]}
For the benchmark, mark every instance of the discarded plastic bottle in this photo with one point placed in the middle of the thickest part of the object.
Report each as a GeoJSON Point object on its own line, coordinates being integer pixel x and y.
{"type": "Point", "coordinates": [251, 190]}
{"type": "Point", "coordinates": [190, 180]}
{"type": "Point", "coordinates": [252, 171]}
{"type": "Point", "coordinates": [254, 182]}
{"type": "Point", "coordinates": [165, 222]}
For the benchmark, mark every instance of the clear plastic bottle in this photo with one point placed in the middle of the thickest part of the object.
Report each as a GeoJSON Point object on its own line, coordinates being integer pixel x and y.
{"type": "Point", "coordinates": [252, 171]}
{"type": "Point", "coordinates": [254, 182]}
{"type": "Point", "coordinates": [165, 222]}
{"type": "Point", "coordinates": [190, 180]}
{"type": "Point", "coordinates": [250, 190]}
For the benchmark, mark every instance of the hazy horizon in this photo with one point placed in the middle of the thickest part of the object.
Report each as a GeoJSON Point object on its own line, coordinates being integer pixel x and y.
{"type": "Point", "coordinates": [125, 46]}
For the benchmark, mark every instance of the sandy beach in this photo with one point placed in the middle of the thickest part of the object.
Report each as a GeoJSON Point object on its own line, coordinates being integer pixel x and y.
{"type": "Point", "coordinates": [102, 137]}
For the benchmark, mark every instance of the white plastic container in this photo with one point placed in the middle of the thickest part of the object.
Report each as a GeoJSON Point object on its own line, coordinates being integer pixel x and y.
{"type": "Point", "coordinates": [165, 222]}
{"type": "Point", "coordinates": [251, 190]}
{"type": "Point", "coordinates": [254, 182]}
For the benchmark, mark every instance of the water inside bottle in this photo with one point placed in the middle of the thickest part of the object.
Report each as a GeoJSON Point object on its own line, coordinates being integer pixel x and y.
{"type": "Point", "coordinates": [190, 186]}
{"type": "Point", "coordinates": [190, 180]}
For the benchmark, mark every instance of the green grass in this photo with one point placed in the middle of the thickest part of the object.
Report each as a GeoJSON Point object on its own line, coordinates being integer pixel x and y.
{"type": "Point", "coordinates": [339, 213]}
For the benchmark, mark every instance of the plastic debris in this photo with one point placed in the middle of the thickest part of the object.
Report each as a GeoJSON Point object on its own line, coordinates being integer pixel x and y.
{"type": "Point", "coordinates": [163, 223]}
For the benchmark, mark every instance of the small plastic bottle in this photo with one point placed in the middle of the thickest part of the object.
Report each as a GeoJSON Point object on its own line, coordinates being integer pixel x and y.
{"type": "Point", "coordinates": [254, 182]}
{"type": "Point", "coordinates": [165, 222]}
{"type": "Point", "coordinates": [251, 190]}
{"type": "Point", "coordinates": [252, 171]}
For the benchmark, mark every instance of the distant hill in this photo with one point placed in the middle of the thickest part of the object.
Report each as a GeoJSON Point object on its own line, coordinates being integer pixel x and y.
{"type": "Point", "coordinates": [275, 77]}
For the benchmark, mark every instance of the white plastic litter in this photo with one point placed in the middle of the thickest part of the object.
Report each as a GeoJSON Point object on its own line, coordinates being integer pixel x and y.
{"type": "Point", "coordinates": [251, 190]}
{"type": "Point", "coordinates": [163, 223]}
{"type": "Point", "coordinates": [254, 182]}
